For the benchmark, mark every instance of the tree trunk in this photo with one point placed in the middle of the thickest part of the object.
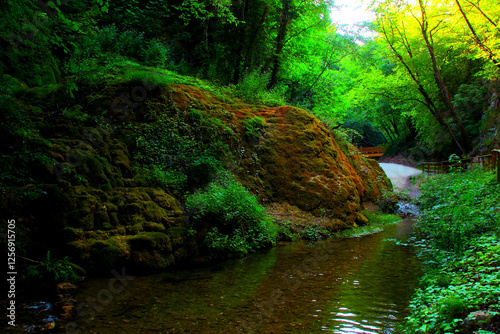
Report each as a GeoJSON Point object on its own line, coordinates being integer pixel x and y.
{"type": "Point", "coordinates": [387, 131]}
{"type": "Point", "coordinates": [280, 42]}
{"type": "Point", "coordinates": [428, 102]}
{"type": "Point", "coordinates": [239, 49]}
{"type": "Point", "coordinates": [253, 37]}
{"type": "Point", "coordinates": [467, 146]}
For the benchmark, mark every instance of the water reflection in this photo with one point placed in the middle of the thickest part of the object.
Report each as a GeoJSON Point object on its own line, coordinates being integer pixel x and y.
{"type": "Point", "coordinates": [360, 285]}
{"type": "Point", "coordinates": [374, 298]}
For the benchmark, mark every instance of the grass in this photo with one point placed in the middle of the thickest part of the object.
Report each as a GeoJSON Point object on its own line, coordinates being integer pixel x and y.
{"type": "Point", "coordinates": [251, 90]}
{"type": "Point", "coordinates": [377, 221]}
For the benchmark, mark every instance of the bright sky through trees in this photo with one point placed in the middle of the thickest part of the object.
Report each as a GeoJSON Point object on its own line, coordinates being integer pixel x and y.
{"type": "Point", "coordinates": [350, 15]}
{"type": "Point", "coordinates": [352, 12]}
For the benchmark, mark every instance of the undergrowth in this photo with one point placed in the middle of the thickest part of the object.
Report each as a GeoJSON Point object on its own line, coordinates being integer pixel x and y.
{"type": "Point", "coordinates": [237, 222]}
{"type": "Point", "coordinates": [457, 235]}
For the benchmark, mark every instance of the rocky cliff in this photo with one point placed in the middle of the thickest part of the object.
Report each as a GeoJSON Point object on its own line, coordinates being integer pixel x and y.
{"type": "Point", "coordinates": [87, 195]}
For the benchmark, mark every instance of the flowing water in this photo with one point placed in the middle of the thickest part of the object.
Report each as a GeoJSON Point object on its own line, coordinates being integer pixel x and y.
{"type": "Point", "coordinates": [359, 285]}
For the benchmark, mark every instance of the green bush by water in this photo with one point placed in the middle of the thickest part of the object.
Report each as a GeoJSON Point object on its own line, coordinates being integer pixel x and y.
{"type": "Point", "coordinates": [43, 277]}
{"type": "Point", "coordinates": [457, 236]}
{"type": "Point", "coordinates": [239, 224]}
{"type": "Point", "coordinates": [457, 208]}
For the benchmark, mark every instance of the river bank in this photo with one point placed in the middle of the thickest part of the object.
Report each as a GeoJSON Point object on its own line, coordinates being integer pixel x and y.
{"type": "Point", "coordinates": [88, 302]}
{"type": "Point", "coordinates": [337, 285]}
{"type": "Point", "coordinates": [457, 235]}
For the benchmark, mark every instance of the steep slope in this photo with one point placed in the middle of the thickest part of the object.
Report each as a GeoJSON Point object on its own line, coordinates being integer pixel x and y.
{"type": "Point", "coordinates": [92, 192]}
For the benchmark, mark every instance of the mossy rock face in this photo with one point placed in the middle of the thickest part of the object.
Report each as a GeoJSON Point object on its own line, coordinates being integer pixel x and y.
{"type": "Point", "coordinates": [303, 165]}
{"type": "Point", "coordinates": [151, 240]}
{"type": "Point", "coordinates": [151, 251]}
{"type": "Point", "coordinates": [151, 261]}
{"type": "Point", "coordinates": [106, 255]}
{"type": "Point", "coordinates": [109, 215]}
{"type": "Point", "coordinates": [177, 235]}
{"type": "Point", "coordinates": [153, 227]}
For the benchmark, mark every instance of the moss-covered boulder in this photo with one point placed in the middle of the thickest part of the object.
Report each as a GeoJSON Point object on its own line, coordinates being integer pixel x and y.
{"type": "Point", "coordinates": [87, 195]}
{"type": "Point", "coordinates": [151, 251]}
{"type": "Point", "coordinates": [301, 163]}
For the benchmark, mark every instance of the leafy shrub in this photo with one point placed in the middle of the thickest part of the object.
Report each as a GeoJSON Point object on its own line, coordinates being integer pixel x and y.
{"type": "Point", "coordinates": [237, 222]}
{"type": "Point", "coordinates": [253, 89]}
{"type": "Point", "coordinates": [220, 243]}
{"type": "Point", "coordinates": [167, 178]}
{"type": "Point", "coordinates": [314, 233]}
{"type": "Point", "coordinates": [443, 280]}
{"type": "Point", "coordinates": [108, 46]}
{"type": "Point", "coordinates": [43, 277]}
{"type": "Point", "coordinates": [181, 152]}
{"type": "Point", "coordinates": [452, 308]}
{"type": "Point", "coordinates": [457, 208]}
{"type": "Point", "coordinates": [156, 54]}
{"type": "Point", "coordinates": [254, 126]}
{"type": "Point", "coordinates": [388, 202]}
{"type": "Point", "coordinates": [344, 134]}
{"type": "Point", "coordinates": [54, 270]}
{"type": "Point", "coordinates": [21, 146]}
{"type": "Point", "coordinates": [109, 40]}
{"type": "Point", "coordinates": [457, 235]}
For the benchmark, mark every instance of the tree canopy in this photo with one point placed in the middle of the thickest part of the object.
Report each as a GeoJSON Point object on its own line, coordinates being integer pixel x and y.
{"type": "Point", "coordinates": [429, 74]}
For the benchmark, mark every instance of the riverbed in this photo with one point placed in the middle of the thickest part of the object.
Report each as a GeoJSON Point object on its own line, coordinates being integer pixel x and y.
{"type": "Point", "coordinates": [358, 285]}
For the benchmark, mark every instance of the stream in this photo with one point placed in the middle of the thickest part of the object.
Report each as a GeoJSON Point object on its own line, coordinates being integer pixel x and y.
{"type": "Point", "coordinates": [358, 285]}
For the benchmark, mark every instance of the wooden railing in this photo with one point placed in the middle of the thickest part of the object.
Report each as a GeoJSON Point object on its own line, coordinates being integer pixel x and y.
{"type": "Point", "coordinates": [490, 160]}
{"type": "Point", "coordinates": [372, 152]}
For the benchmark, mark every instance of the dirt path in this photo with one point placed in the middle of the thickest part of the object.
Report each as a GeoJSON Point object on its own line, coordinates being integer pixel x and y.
{"type": "Point", "coordinates": [400, 177]}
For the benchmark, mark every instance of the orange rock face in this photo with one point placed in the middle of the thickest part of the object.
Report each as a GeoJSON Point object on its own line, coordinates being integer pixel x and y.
{"type": "Point", "coordinates": [108, 214]}
{"type": "Point", "coordinates": [297, 160]}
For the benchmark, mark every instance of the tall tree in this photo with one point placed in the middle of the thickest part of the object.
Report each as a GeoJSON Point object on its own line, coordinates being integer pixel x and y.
{"type": "Point", "coordinates": [427, 34]}
{"type": "Point", "coordinates": [407, 29]}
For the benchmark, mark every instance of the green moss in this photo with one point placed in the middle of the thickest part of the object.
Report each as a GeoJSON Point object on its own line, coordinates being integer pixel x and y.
{"type": "Point", "coordinates": [151, 241]}
{"type": "Point", "coordinates": [134, 229]}
{"type": "Point", "coordinates": [118, 200]}
{"type": "Point", "coordinates": [93, 168]}
{"type": "Point", "coordinates": [112, 253]}
{"type": "Point", "coordinates": [162, 198]}
{"type": "Point", "coordinates": [151, 260]}
{"type": "Point", "coordinates": [153, 227]}
{"type": "Point", "coordinates": [101, 218]}
{"type": "Point", "coordinates": [153, 212]}
{"type": "Point", "coordinates": [177, 235]}
{"type": "Point", "coordinates": [72, 234]}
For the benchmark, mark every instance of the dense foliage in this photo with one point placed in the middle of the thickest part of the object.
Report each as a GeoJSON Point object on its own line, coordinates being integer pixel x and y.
{"type": "Point", "coordinates": [182, 153]}
{"type": "Point", "coordinates": [426, 84]}
{"type": "Point", "coordinates": [439, 81]}
{"type": "Point", "coordinates": [457, 235]}
{"type": "Point", "coordinates": [238, 223]}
